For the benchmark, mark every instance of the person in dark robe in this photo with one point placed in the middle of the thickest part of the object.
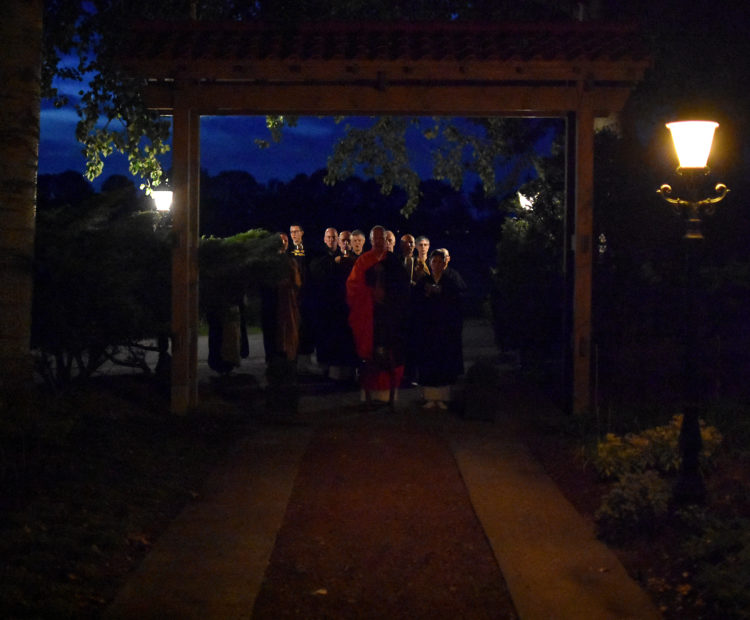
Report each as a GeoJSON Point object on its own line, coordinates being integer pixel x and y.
{"type": "Point", "coordinates": [301, 254]}
{"type": "Point", "coordinates": [378, 298]}
{"type": "Point", "coordinates": [333, 344]}
{"type": "Point", "coordinates": [358, 242]}
{"type": "Point", "coordinates": [438, 308]}
{"type": "Point", "coordinates": [346, 255]}
{"type": "Point", "coordinates": [421, 266]}
{"type": "Point", "coordinates": [280, 312]}
{"type": "Point", "coordinates": [280, 320]}
{"type": "Point", "coordinates": [409, 261]}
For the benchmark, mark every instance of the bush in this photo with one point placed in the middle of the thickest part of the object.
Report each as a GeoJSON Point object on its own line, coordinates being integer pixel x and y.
{"type": "Point", "coordinates": [638, 502]}
{"type": "Point", "coordinates": [101, 285]}
{"type": "Point", "coordinates": [654, 449]}
{"type": "Point", "coordinates": [721, 556]}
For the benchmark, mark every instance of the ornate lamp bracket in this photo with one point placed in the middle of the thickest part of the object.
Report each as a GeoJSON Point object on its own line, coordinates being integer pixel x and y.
{"type": "Point", "coordinates": [693, 210]}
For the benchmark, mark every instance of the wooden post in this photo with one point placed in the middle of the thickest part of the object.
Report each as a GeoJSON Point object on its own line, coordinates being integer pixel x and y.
{"type": "Point", "coordinates": [584, 226]}
{"type": "Point", "coordinates": [568, 266]}
{"type": "Point", "coordinates": [185, 179]}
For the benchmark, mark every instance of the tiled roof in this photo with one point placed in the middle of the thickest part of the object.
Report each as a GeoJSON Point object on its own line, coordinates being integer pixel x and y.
{"type": "Point", "coordinates": [407, 51]}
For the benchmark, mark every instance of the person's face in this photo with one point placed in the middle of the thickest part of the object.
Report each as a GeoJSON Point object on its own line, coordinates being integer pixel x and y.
{"type": "Point", "coordinates": [330, 238]}
{"type": "Point", "coordinates": [423, 247]}
{"type": "Point", "coordinates": [358, 242]}
{"type": "Point", "coordinates": [377, 239]}
{"type": "Point", "coordinates": [390, 241]}
{"type": "Point", "coordinates": [296, 233]}
{"type": "Point", "coordinates": [437, 264]}
{"type": "Point", "coordinates": [345, 241]}
{"type": "Point", "coordinates": [284, 242]}
{"type": "Point", "coordinates": [407, 245]}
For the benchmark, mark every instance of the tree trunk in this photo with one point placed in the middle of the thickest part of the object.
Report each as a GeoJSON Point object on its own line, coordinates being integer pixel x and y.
{"type": "Point", "coordinates": [20, 76]}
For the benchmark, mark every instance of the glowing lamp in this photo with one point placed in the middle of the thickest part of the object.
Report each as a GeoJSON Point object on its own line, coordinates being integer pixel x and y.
{"type": "Point", "coordinates": [526, 202]}
{"type": "Point", "coordinates": [162, 199]}
{"type": "Point", "coordinates": [692, 141]}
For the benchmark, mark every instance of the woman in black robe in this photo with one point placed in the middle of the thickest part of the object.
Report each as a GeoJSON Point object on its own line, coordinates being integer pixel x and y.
{"type": "Point", "coordinates": [440, 319]}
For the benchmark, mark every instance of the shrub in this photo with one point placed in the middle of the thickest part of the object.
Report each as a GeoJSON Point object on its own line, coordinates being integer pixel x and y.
{"type": "Point", "coordinates": [101, 285]}
{"type": "Point", "coordinates": [635, 503]}
{"type": "Point", "coordinates": [721, 556]}
{"type": "Point", "coordinates": [654, 449]}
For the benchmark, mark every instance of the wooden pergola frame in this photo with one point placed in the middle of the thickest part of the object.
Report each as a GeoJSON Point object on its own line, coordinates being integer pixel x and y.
{"type": "Point", "coordinates": [577, 71]}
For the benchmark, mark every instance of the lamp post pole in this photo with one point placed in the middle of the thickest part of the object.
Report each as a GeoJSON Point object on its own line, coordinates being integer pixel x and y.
{"type": "Point", "coordinates": [690, 487]}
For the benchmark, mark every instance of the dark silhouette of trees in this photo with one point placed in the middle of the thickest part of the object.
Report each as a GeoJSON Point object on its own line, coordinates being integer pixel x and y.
{"type": "Point", "coordinates": [66, 188]}
{"type": "Point", "coordinates": [102, 282]}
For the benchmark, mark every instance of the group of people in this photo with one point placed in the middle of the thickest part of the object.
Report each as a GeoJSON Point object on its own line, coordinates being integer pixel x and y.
{"type": "Point", "coordinates": [386, 315]}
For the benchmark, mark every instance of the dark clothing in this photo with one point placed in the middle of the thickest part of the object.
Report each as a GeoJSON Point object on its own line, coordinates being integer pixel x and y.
{"type": "Point", "coordinates": [420, 270]}
{"type": "Point", "coordinates": [227, 338]}
{"type": "Point", "coordinates": [306, 297]}
{"type": "Point", "coordinates": [346, 264]}
{"type": "Point", "coordinates": [440, 324]}
{"type": "Point", "coordinates": [280, 316]}
{"type": "Point", "coordinates": [378, 298]}
{"type": "Point", "coordinates": [390, 317]}
{"type": "Point", "coordinates": [334, 344]}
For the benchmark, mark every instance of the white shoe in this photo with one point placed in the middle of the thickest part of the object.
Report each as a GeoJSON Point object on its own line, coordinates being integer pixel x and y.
{"type": "Point", "coordinates": [430, 404]}
{"type": "Point", "coordinates": [441, 405]}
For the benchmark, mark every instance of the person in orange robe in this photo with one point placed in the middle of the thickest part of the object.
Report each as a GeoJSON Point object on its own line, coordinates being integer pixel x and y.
{"type": "Point", "coordinates": [377, 292]}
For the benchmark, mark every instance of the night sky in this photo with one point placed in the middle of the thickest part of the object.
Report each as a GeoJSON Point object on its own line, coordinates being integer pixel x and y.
{"type": "Point", "coordinates": [227, 143]}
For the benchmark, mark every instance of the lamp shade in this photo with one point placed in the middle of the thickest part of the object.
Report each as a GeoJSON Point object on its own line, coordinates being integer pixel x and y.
{"type": "Point", "coordinates": [692, 141]}
{"type": "Point", "coordinates": [162, 199]}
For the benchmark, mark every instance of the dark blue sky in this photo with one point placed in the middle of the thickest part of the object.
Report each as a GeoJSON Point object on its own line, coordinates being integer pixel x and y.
{"type": "Point", "coordinates": [227, 143]}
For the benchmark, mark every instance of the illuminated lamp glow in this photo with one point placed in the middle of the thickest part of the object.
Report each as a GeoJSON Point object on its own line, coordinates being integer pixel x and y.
{"type": "Point", "coordinates": [692, 141]}
{"type": "Point", "coordinates": [162, 199]}
{"type": "Point", "coordinates": [527, 204]}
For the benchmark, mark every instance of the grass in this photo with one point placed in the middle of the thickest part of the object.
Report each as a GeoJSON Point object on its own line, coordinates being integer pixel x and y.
{"type": "Point", "coordinates": [89, 482]}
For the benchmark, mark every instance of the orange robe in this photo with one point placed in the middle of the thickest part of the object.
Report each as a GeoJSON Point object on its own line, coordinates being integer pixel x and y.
{"type": "Point", "coordinates": [382, 369]}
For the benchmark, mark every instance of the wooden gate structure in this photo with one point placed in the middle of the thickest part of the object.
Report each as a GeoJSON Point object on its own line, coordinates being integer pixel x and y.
{"type": "Point", "coordinates": [579, 71]}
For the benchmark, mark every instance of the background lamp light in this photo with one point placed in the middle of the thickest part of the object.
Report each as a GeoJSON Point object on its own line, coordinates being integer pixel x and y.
{"type": "Point", "coordinates": [526, 202]}
{"type": "Point", "coordinates": [692, 141]}
{"type": "Point", "coordinates": [162, 199]}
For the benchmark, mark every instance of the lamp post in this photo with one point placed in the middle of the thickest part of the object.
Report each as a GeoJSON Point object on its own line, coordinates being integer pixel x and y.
{"type": "Point", "coordinates": [692, 141]}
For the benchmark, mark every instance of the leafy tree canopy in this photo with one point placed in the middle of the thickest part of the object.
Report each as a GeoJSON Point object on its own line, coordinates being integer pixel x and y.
{"type": "Point", "coordinates": [81, 39]}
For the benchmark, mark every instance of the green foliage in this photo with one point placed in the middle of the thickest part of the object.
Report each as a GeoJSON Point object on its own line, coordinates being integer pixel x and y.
{"type": "Point", "coordinates": [231, 266]}
{"type": "Point", "coordinates": [275, 125]}
{"type": "Point", "coordinates": [636, 503]}
{"type": "Point", "coordinates": [460, 146]}
{"type": "Point", "coordinates": [114, 117]}
{"type": "Point", "coordinates": [654, 449]}
{"type": "Point", "coordinates": [102, 282]}
{"type": "Point", "coordinates": [382, 153]}
{"type": "Point", "coordinates": [721, 556]}
{"type": "Point", "coordinates": [529, 265]}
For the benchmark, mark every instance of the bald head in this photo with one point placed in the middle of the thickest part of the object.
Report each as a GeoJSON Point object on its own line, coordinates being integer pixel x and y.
{"type": "Point", "coordinates": [407, 245]}
{"type": "Point", "coordinates": [377, 238]}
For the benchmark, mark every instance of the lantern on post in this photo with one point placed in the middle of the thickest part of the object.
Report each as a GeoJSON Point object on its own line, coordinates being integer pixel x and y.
{"type": "Point", "coordinates": [162, 199]}
{"type": "Point", "coordinates": [692, 141]}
